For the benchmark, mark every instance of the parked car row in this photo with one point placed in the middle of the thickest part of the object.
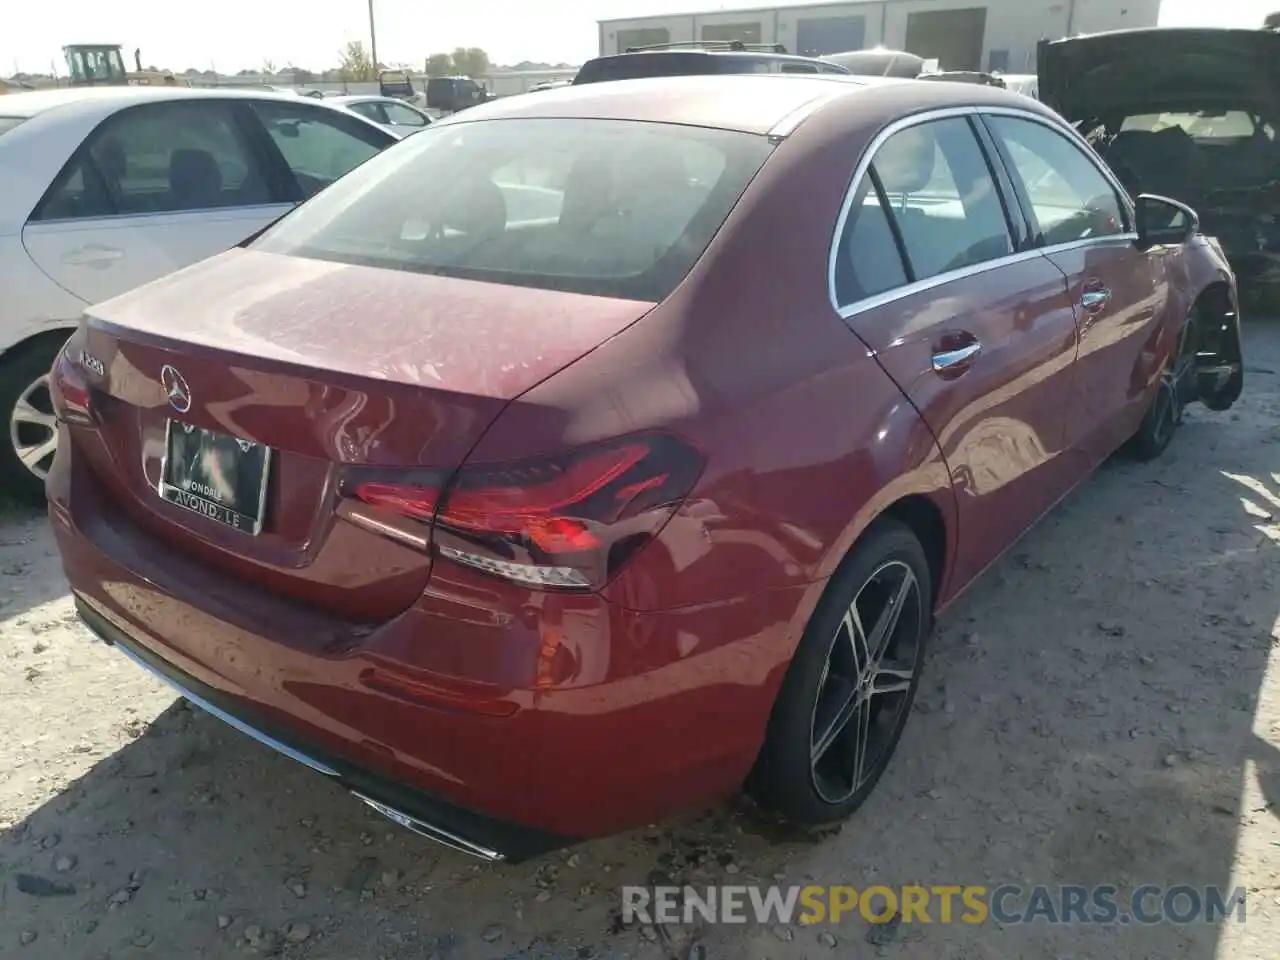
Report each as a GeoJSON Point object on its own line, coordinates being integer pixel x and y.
{"type": "Point", "coordinates": [687, 403]}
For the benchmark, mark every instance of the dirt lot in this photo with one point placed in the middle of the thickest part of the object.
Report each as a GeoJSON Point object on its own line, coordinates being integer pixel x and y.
{"type": "Point", "coordinates": [1098, 710]}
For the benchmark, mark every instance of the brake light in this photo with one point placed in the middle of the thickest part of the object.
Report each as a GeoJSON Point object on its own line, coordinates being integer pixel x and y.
{"type": "Point", "coordinates": [569, 520]}
{"type": "Point", "coordinates": [69, 391]}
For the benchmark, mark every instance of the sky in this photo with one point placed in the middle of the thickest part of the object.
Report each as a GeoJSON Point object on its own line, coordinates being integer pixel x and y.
{"type": "Point", "coordinates": [231, 35]}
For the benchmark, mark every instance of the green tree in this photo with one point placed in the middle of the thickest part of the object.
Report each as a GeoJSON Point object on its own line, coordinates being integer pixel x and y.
{"type": "Point", "coordinates": [439, 65]}
{"type": "Point", "coordinates": [356, 63]}
{"type": "Point", "coordinates": [470, 61]}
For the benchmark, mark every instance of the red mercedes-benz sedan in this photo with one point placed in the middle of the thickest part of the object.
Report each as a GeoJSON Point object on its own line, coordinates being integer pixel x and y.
{"type": "Point", "coordinates": [592, 454]}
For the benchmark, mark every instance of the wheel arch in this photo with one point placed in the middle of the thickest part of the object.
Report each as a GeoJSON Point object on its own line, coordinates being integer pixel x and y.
{"type": "Point", "coordinates": [46, 334]}
{"type": "Point", "coordinates": [1216, 293]}
{"type": "Point", "coordinates": [921, 515]}
{"type": "Point", "coordinates": [928, 517]}
{"type": "Point", "coordinates": [1221, 381]}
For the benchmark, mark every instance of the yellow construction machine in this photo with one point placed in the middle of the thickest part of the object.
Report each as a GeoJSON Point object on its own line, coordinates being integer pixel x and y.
{"type": "Point", "coordinates": [101, 64]}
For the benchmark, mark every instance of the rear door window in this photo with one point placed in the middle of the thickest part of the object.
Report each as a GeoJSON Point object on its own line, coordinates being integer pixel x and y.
{"type": "Point", "coordinates": [371, 110]}
{"type": "Point", "coordinates": [402, 116]}
{"type": "Point", "coordinates": [615, 208]}
{"type": "Point", "coordinates": [160, 158]}
{"type": "Point", "coordinates": [927, 206]}
{"type": "Point", "coordinates": [319, 145]}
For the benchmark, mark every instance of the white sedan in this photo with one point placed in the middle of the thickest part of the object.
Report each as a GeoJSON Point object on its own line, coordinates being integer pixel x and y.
{"type": "Point", "coordinates": [108, 188]}
{"type": "Point", "coordinates": [394, 116]}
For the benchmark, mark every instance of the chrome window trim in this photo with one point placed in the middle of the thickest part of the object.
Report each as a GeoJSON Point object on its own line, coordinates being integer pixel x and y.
{"type": "Point", "coordinates": [848, 310]}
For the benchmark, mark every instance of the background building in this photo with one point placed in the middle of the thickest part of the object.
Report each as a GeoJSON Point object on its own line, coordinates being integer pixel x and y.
{"type": "Point", "coordinates": [972, 35]}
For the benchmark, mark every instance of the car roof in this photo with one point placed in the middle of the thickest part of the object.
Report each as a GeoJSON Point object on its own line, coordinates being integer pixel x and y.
{"type": "Point", "coordinates": [363, 98]}
{"type": "Point", "coordinates": [697, 51]}
{"type": "Point", "coordinates": [750, 103]}
{"type": "Point", "coordinates": [35, 102]}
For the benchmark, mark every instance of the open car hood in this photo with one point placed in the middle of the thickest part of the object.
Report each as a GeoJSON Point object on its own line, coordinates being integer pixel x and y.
{"type": "Point", "coordinates": [1134, 71]}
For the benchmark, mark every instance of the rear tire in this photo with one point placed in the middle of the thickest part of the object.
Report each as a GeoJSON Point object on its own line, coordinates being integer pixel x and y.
{"type": "Point", "coordinates": [30, 432]}
{"type": "Point", "coordinates": [840, 713]}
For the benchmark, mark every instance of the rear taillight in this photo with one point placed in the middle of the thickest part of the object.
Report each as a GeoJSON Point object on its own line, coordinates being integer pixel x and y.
{"type": "Point", "coordinates": [69, 391]}
{"type": "Point", "coordinates": [570, 520]}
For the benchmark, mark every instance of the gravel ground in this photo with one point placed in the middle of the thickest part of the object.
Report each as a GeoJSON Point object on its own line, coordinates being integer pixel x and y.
{"type": "Point", "coordinates": [1098, 709]}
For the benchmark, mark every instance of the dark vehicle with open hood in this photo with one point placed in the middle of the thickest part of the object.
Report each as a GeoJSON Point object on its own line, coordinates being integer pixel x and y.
{"type": "Point", "coordinates": [635, 467]}
{"type": "Point", "coordinates": [1192, 114]}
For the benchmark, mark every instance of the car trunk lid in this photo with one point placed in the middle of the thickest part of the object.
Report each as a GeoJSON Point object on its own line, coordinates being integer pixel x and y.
{"type": "Point", "coordinates": [331, 367]}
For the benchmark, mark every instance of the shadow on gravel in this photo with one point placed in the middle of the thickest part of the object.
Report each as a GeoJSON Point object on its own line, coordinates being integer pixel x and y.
{"type": "Point", "coordinates": [1088, 718]}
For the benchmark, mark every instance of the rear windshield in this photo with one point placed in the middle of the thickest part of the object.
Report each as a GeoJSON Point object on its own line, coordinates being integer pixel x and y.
{"type": "Point", "coordinates": [1205, 124]}
{"type": "Point", "coordinates": [608, 207]}
{"type": "Point", "coordinates": [8, 123]}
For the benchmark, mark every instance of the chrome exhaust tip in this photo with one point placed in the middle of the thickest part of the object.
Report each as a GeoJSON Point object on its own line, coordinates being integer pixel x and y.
{"type": "Point", "coordinates": [431, 832]}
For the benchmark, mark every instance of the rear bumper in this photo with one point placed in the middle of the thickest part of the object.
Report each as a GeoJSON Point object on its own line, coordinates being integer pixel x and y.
{"type": "Point", "coordinates": [462, 830]}
{"type": "Point", "coordinates": [512, 765]}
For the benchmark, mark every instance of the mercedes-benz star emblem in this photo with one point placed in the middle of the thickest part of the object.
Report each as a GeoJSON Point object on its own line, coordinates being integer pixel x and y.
{"type": "Point", "coordinates": [175, 387]}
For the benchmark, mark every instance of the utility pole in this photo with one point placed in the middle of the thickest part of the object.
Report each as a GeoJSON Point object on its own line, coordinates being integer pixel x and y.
{"type": "Point", "coordinates": [373, 41]}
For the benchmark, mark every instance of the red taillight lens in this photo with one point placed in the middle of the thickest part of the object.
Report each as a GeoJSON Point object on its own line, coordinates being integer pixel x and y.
{"type": "Point", "coordinates": [570, 520]}
{"type": "Point", "coordinates": [69, 391]}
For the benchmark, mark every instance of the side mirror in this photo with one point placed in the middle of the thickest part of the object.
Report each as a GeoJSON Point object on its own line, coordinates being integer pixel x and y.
{"type": "Point", "coordinates": [1163, 221]}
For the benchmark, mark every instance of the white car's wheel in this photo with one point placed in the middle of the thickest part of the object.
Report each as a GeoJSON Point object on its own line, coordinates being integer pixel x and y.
{"type": "Point", "coordinates": [31, 438]}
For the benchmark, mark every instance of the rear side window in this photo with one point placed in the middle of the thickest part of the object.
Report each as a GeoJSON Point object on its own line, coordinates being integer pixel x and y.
{"type": "Point", "coordinates": [8, 123]}
{"type": "Point", "coordinates": [927, 206]}
{"type": "Point", "coordinates": [402, 116]}
{"type": "Point", "coordinates": [371, 110]}
{"type": "Point", "coordinates": [319, 145]}
{"type": "Point", "coordinates": [160, 158]}
{"type": "Point", "coordinates": [606, 207]}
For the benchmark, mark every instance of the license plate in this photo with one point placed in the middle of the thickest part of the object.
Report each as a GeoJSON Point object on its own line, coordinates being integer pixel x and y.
{"type": "Point", "coordinates": [215, 475]}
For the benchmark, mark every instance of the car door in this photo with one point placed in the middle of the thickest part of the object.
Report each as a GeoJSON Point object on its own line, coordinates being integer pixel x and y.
{"type": "Point", "coordinates": [979, 333]}
{"type": "Point", "coordinates": [1082, 223]}
{"type": "Point", "coordinates": [154, 188]}
{"type": "Point", "coordinates": [318, 144]}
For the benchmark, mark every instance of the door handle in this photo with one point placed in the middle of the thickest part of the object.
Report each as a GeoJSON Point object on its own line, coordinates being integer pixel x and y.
{"type": "Point", "coordinates": [1091, 301]}
{"type": "Point", "coordinates": [955, 360]}
{"type": "Point", "coordinates": [92, 256]}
